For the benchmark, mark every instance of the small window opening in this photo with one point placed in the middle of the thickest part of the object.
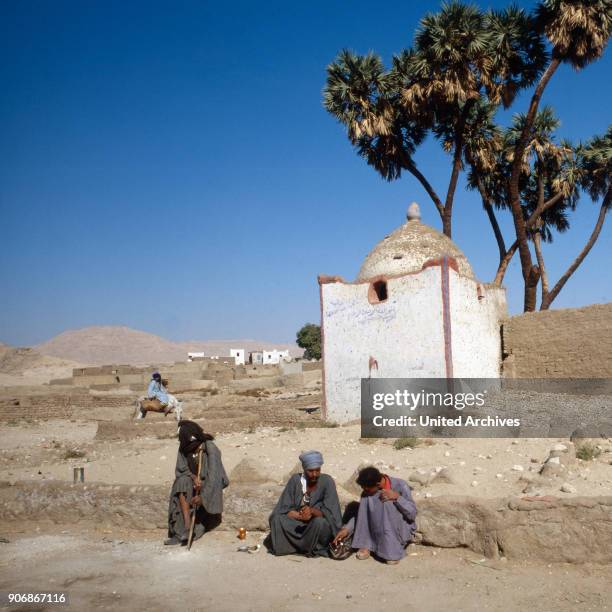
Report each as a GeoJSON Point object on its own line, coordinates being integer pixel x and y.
{"type": "Point", "coordinates": [398, 256]}
{"type": "Point", "coordinates": [378, 292]}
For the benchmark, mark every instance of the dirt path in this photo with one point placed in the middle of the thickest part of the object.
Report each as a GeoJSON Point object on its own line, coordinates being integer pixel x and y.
{"type": "Point", "coordinates": [144, 575]}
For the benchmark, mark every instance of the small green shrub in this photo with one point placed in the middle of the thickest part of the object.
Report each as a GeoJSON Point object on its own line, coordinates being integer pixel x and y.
{"type": "Point", "coordinates": [368, 440]}
{"type": "Point", "coordinates": [401, 443]}
{"type": "Point", "coordinates": [587, 451]}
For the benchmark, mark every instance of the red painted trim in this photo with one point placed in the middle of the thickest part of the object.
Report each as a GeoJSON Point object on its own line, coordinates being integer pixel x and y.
{"type": "Point", "coordinates": [324, 279]}
{"type": "Point", "coordinates": [446, 317]}
{"type": "Point", "coordinates": [451, 262]}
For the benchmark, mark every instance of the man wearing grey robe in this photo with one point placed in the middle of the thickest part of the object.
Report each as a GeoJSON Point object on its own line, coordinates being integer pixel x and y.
{"type": "Point", "coordinates": [307, 515]}
{"type": "Point", "coordinates": [212, 480]}
{"type": "Point", "coordinates": [385, 522]}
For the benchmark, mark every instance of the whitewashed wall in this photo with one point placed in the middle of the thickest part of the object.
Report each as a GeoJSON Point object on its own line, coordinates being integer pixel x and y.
{"type": "Point", "coordinates": [476, 332]}
{"type": "Point", "coordinates": [405, 334]}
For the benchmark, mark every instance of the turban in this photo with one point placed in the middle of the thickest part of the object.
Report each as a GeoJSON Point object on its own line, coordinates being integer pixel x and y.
{"type": "Point", "coordinates": [191, 436]}
{"type": "Point", "coordinates": [311, 459]}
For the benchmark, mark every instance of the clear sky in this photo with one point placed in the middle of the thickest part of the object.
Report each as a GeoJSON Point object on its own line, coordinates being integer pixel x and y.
{"type": "Point", "coordinates": [169, 166]}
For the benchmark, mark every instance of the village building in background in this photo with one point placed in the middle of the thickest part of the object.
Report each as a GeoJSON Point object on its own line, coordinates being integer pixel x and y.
{"type": "Point", "coordinates": [238, 355]}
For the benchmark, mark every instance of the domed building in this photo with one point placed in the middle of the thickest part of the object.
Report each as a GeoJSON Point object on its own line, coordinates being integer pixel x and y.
{"type": "Point", "coordinates": [415, 310]}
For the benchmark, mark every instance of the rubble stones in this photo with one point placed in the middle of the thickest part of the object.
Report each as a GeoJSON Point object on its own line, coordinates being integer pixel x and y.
{"type": "Point", "coordinates": [419, 478]}
{"type": "Point", "coordinates": [248, 471]}
{"type": "Point", "coordinates": [560, 457]}
{"type": "Point", "coordinates": [568, 488]}
{"type": "Point", "coordinates": [444, 476]}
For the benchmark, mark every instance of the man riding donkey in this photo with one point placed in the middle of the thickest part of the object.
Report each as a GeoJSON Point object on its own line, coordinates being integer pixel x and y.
{"type": "Point", "coordinates": [158, 400]}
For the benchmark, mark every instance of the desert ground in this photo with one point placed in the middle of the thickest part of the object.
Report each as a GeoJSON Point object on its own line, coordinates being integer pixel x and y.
{"type": "Point", "coordinates": [101, 541]}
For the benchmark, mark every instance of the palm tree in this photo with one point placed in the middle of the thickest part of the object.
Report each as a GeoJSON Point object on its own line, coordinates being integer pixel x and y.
{"type": "Point", "coordinates": [462, 57]}
{"type": "Point", "coordinates": [578, 31]}
{"type": "Point", "coordinates": [483, 155]}
{"type": "Point", "coordinates": [364, 98]}
{"type": "Point", "coordinates": [594, 162]}
{"type": "Point", "coordinates": [455, 64]}
{"type": "Point", "coordinates": [547, 185]}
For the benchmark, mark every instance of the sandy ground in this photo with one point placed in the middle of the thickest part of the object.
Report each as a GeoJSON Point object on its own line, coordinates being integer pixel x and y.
{"type": "Point", "coordinates": [119, 569]}
{"type": "Point", "coordinates": [480, 467]}
{"type": "Point", "coordinates": [98, 572]}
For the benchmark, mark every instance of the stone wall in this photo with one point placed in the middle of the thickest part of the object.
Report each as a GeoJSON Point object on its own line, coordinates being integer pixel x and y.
{"type": "Point", "coordinates": [569, 343]}
{"type": "Point", "coordinates": [46, 407]}
{"type": "Point", "coordinates": [181, 376]}
{"type": "Point", "coordinates": [574, 530]}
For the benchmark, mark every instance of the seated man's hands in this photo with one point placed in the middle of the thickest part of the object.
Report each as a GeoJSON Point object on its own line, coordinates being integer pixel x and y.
{"type": "Point", "coordinates": [343, 533]}
{"type": "Point", "coordinates": [196, 501]}
{"type": "Point", "coordinates": [388, 495]}
{"type": "Point", "coordinates": [197, 483]}
{"type": "Point", "coordinates": [305, 514]}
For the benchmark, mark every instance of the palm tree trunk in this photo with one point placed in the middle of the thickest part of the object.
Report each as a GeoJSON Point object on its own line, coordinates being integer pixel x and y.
{"type": "Point", "coordinates": [527, 267]}
{"type": "Point", "coordinates": [457, 157]}
{"type": "Point", "coordinates": [486, 203]}
{"type": "Point", "coordinates": [501, 245]}
{"type": "Point", "coordinates": [447, 229]}
{"type": "Point", "coordinates": [605, 205]}
{"type": "Point", "coordinates": [428, 188]}
{"type": "Point", "coordinates": [531, 289]}
{"type": "Point", "coordinates": [537, 242]}
{"type": "Point", "coordinates": [503, 266]}
{"type": "Point", "coordinates": [537, 234]}
{"type": "Point", "coordinates": [535, 215]}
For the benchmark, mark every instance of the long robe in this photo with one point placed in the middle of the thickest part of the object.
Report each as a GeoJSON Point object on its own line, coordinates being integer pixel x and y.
{"type": "Point", "coordinates": [214, 480]}
{"type": "Point", "coordinates": [290, 536]}
{"type": "Point", "coordinates": [385, 528]}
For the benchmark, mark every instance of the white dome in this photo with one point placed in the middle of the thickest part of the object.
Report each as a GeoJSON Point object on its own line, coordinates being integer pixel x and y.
{"type": "Point", "coordinates": [409, 247]}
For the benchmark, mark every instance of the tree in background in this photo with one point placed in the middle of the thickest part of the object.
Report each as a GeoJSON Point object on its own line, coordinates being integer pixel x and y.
{"type": "Point", "coordinates": [577, 32]}
{"type": "Point", "coordinates": [462, 57]}
{"type": "Point", "coordinates": [594, 169]}
{"type": "Point", "coordinates": [464, 65]}
{"type": "Point", "coordinates": [309, 338]}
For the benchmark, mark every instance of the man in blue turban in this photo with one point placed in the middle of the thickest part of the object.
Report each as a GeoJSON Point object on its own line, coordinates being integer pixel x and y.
{"type": "Point", "coordinates": [307, 515]}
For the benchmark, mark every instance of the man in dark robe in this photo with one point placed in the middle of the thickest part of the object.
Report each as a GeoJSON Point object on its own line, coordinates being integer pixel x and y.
{"type": "Point", "coordinates": [307, 515]}
{"type": "Point", "coordinates": [192, 492]}
{"type": "Point", "coordinates": [385, 521]}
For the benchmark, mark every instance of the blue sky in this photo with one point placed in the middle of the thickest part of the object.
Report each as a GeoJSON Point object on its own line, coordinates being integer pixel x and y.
{"type": "Point", "coordinates": [169, 166]}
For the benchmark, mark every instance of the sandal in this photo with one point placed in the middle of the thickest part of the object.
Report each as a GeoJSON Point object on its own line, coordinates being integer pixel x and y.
{"type": "Point", "coordinates": [363, 554]}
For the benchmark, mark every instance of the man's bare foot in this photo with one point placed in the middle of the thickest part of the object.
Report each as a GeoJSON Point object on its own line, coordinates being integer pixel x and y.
{"type": "Point", "coordinates": [392, 561]}
{"type": "Point", "coordinates": [362, 554]}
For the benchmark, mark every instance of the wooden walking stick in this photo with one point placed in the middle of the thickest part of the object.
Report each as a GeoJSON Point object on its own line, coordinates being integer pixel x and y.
{"type": "Point", "coordinates": [194, 511]}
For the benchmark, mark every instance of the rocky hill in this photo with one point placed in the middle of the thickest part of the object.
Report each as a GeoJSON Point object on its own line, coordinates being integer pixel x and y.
{"type": "Point", "coordinates": [123, 345]}
{"type": "Point", "coordinates": [25, 366]}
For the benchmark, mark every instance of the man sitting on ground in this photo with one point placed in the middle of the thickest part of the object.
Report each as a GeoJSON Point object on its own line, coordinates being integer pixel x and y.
{"type": "Point", "coordinates": [195, 492]}
{"type": "Point", "coordinates": [158, 400]}
{"type": "Point", "coordinates": [386, 518]}
{"type": "Point", "coordinates": [307, 515]}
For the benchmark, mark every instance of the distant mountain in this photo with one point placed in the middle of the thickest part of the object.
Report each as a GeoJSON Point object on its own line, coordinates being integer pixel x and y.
{"type": "Point", "coordinates": [122, 345]}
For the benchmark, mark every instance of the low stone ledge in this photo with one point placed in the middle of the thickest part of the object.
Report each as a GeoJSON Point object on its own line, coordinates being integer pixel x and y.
{"type": "Point", "coordinates": [574, 530]}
